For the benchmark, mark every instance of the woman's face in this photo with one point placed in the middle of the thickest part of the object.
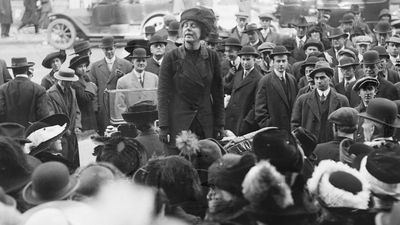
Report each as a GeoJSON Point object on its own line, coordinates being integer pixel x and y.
{"type": "Point", "coordinates": [191, 31]}
{"type": "Point", "coordinates": [218, 199]}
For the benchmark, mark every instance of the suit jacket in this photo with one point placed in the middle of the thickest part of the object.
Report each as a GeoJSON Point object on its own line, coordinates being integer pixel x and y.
{"type": "Point", "coordinates": [239, 114]}
{"type": "Point", "coordinates": [273, 106]}
{"type": "Point", "coordinates": [103, 78]}
{"type": "Point", "coordinates": [392, 76]}
{"type": "Point", "coordinates": [328, 150]}
{"type": "Point", "coordinates": [23, 101]}
{"type": "Point", "coordinates": [130, 81]}
{"type": "Point", "coordinates": [306, 111]}
{"type": "Point", "coordinates": [189, 90]}
{"type": "Point", "coordinates": [296, 70]}
{"type": "Point", "coordinates": [4, 74]}
{"type": "Point", "coordinates": [350, 94]}
{"type": "Point", "coordinates": [271, 36]}
{"type": "Point", "coordinates": [243, 37]}
{"type": "Point", "coordinates": [170, 45]}
{"type": "Point", "coordinates": [153, 66]}
{"type": "Point", "coordinates": [358, 74]}
{"type": "Point", "coordinates": [304, 90]}
{"type": "Point", "coordinates": [332, 53]}
{"type": "Point", "coordinates": [386, 89]}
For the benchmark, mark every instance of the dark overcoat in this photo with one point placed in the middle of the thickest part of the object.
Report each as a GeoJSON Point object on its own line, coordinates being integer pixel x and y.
{"type": "Point", "coordinates": [4, 74]}
{"type": "Point", "coordinates": [31, 15]}
{"type": "Point", "coordinates": [385, 90]}
{"type": "Point", "coordinates": [243, 37]}
{"type": "Point", "coordinates": [273, 105]}
{"type": "Point", "coordinates": [86, 97]}
{"type": "Point", "coordinates": [306, 111]}
{"type": "Point", "coordinates": [106, 79]}
{"type": "Point", "coordinates": [5, 12]}
{"type": "Point", "coordinates": [328, 150]}
{"type": "Point", "coordinates": [23, 101]}
{"type": "Point", "coordinates": [351, 95]}
{"type": "Point", "coordinates": [153, 66]}
{"type": "Point", "coordinates": [332, 53]}
{"type": "Point", "coordinates": [69, 140]}
{"type": "Point", "coordinates": [189, 90]}
{"type": "Point", "coordinates": [239, 114]}
{"type": "Point", "coordinates": [48, 80]}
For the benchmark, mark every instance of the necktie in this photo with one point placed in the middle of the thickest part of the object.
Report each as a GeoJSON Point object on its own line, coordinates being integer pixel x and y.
{"type": "Point", "coordinates": [141, 80]}
{"type": "Point", "coordinates": [346, 86]}
{"type": "Point", "coordinates": [301, 43]}
{"type": "Point", "coordinates": [246, 72]}
{"type": "Point", "coordinates": [322, 98]}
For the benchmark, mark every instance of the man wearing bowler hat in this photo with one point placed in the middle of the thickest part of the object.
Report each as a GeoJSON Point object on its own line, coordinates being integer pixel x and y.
{"type": "Point", "coordinates": [105, 73]}
{"type": "Point", "coordinates": [157, 48]}
{"type": "Point", "coordinates": [253, 32]}
{"type": "Point", "coordinates": [237, 31]}
{"type": "Point", "coordinates": [149, 31]}
{"type": "Point", "coordinates": [231, 63]}
{"type": "Point", "coordinates": [337, 38]}
{"type": "Point", "coordinates": [239, 114]}
{"type": "Point", "coordinates": [276, 93]}
{"type": "Point", "coordinates": [21, 100]}
{"type": "Point", "coordinates": [311, 110]}
{"type": "Point", "coordinates": [138, 78]}
{"type": "Point", "coordinates": [52, 61]}
{"type": "Point", "coordinates": [383, 31]}
{"type": "Point", "coordinates": [173, 35]}
{"type": "Point", "coordinates": [347, 66]}
{"type": "Point", "coordinates": [63, 101]}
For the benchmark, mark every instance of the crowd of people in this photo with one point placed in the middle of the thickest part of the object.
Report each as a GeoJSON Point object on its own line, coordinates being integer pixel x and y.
{"type": "Point", "coordinates": [249, 127]}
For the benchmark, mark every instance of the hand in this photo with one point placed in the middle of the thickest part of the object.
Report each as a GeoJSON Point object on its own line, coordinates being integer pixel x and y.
{"type": "Point", "coordinates": [232, 70]}
{"type": "Point", "coordinates": [219, 133]}
{"type": "Point", "coordinates": [119, 73]}
{"type": "Point", "coordinates": [78, 130]}
{"type": "Point", "coordinates": [164, 135]}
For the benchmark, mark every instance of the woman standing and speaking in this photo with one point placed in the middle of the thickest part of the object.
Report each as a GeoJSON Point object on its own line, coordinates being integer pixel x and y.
{"type": "Point", "coordinates": [190, 89]}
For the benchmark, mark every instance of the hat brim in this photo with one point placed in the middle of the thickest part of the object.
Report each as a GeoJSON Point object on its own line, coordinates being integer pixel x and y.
{"type": "Point", "coordinates": [249, 53]}
{"type": "Point", "coordinates": [328, 71]}
{"type": "Point", "coordinates": [395, 124]}
{"type": "Point", "coordinates": [79, 62]}
{"type": "Point", "coordinates": [47, 61]}
{"type": "Point", "coordinates": [279, 53]}
{"type": "Point", "coordinates": [156, 42]}
{"type": "Point", "coordinates": [72, 79]}
{"type": "Point", "coordinates": [382, 32]}
{"type": "Point", "coordinates": [133, 117]}
{"type": "Point", "coordinates": [28, 64]}
{"type": "Point", "coordinates": [232, 44]}
{"type": "Point", "coordinates": [319, 46]}
{"type": "Point", "coordinates": [255, 29]}
{"type": "Point", "coordinates": [84, 49]}
{"type": "Point", "coordinates": [338, 35]}
{"type": "Point", "coordinates": [370, 63]}
{"type": "Point", "coordinates": [30, 197]}
{"type": "Point", "coordinates": [348, 65]}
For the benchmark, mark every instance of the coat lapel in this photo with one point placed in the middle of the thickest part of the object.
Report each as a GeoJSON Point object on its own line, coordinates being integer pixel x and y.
{"type": "Point", "coordinates": [312, 102]}
{"type": "Point", "coordinates": [243, 82]}
{"type": "Point", "coordinates": [333, 101]}
{"type": "Point", "coordinates": [276, 83]}
{"type": "Point", "coordinates": [58, 99]}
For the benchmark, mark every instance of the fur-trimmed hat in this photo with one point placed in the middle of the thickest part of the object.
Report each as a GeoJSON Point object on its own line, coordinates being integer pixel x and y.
{"type": "Point", "coordinates": [201, 15]}
{"type": "Point", "coordinates": [228, 172]}
{"type": "Point", "coordinates": [337, 185]}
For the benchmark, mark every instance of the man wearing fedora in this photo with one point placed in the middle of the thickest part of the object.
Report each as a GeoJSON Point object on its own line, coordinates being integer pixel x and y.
{"type": "Point", "coordinates": [239, 113]}
{"type": "Point", "coordinates": [52, 61]}
{"type": "Point", "coordinates": [105, 73]}
{"type": "Point", "coordinates": [149, 31]}
{"type": "Point", "coordinates": [21, 100]}
{"type": "Point", "coordinates": [276, 93]}
{"type": "Point", "coordinates": [268, 32]}
{"type": "Point", "coordinates": [237, 31]}
{"type": "Point", "coordinates": [383, 31]}
{"type": "Point", "coordinates": [300, 39]}
{"type": "Point", "coordinates": [306, 83]}
{"type": "Point", "coordinates": [347, 66]}
{"type": "Point", "coordinates": [253, 32]}
{"type": "Point", "coordinates": [231, 63]}
{"type": "Point", "coordinates": [311, 110]}
{"type": "Point", "coordinates": [138, 78]}
{"type": "Point", "coordinates": [157, 48]}
{"type": "Point", "coordinates": [173, 35]}
{"type": "Point", "coordinates": [63, 101]}
{"type": "Point", "coordinates": [86, 92]}
{"type": "Point", "coordinates": [82, 48]}
{"type": "Point", "coordinates": [337, 38]}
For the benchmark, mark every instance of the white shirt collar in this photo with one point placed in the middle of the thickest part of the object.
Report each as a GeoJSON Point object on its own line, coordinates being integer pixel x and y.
{"type": "Point", "coordinates": [326, 92]}
{"type": "Point", "coordinates": [110, 61]}
{"type": "Point", "coordinates": [351, 80]}
{"type": "Point", "coordinates": [158, 61]}
{"type": "Point", "coordinates": [22, 75]}
{"type": "Point", "coordinates": [304, 38]}
{"type": "Point", "coordinates": [240, 29]}
{"type": "Point", "coordinates": [253, 44]}
{"type": "Point", "coordinates": [138, 75]}
{"type": "Point", "coordinates": [279, 74]}
{"type": "Point", "coordinates": [236, 62]}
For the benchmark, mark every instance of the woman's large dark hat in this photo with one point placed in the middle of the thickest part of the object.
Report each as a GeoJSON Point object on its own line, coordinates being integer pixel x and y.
{"type": "Point", "coordinates": [47, 60]}
{"type": "Point", "coordinates": [15, 166]}
{"type": "Point", "coordinates": [78, 60]}
{"type": "Point", "coordinates": [50, 181]}
{"type": "Point", "coordinates": [136, 43]}
{"type": "Point", "coordinates": [50, 121]}
{"type": "Point", "coordinates": [202, 15]}
{"type": "Point", "coordinates": [382, 111]}
{"type": "Point", "coordinates": [140, 112]}
{"type": "Point", "coordinates": [157, 39]}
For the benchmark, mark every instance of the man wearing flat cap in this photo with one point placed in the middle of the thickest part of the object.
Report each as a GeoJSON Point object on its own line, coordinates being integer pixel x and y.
{"type": "Point", "coordinates": [276, 93]}
{"type": "Point", "coordinates": [344, 123]}
{"type": "Point", "coordinates": [237, 31]}
{"type": "Point", "coordinates": [21, 100]}
{"type": "Point", "coordinates": [311, 110]}
{"type": "Point", "coordinates": [362, 44]}
{"type": "Point", "coordinates": [268, 32]}
{"type": "Point", "coordinates": [105, 73]}
{"type": "Point", "coordinates": [265, 50]}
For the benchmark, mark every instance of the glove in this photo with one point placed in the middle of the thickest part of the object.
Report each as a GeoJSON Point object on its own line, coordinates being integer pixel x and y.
{"type": "Point", "coordinates": [219, 133]}
{"type": "Point", "coordinates": [164, 135]}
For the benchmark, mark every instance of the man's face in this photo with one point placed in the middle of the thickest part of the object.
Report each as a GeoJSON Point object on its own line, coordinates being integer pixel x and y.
{"type": "Point", "coordinates": [231, 52]}
{"type": "Point", "coordinates": [81, 69]}
{"type": "Point", "coordinates": [321, 81]}
{"type": "Point", "coordinates": [307, 72]}
{"type": "Point", "coordinates": [87, 52]}
{"type": "Point", "coordinates": [253, 36]}
{"type": "Point", "coordinates": [371, 70]}
{"type": "Point", "coordinates": [158, 49]}
{"type": "Point", "coordinates": [109, 52]}
{"type": "Point", "coordinates": [337, 42]}
{"type": "Point", "coordinates": [301, 31]}
{"type": "Point", "coordinates": [363, 47]}
{"type": "Point", "coordinates": [393, 49]}
{"type": "Point", "coordinates": [218, 199]}
{"type": "Point", "coordinates": [347, 27]}
{"type": "Point", "coordinates": [382, 38]}
{"type": "Point", "coordinates": [191, 31]}
{"type": "Point", "coordinates": [348, 72]}
{"type": "Point", "coordinates": [139, 64]}
{"type": "Point", "coordinates": [311, 49]}
{"type": "Point", "coordinates": [211, 45]}
{"type": "Point", "coordinates": [316, 36]}
{"type": "Point", "coordinates": [385, 18]}
{"type": "Point", "coordinates": [280, 63]}
{"type": "Point", "coordinates": [383, 64]}
{"type": "Point", "coordinates": [56, 64]}
{"type": "Point", "coordinates": [247, 61]}
{"type": "Point", "coordinates": [367, 93]}
{"type": "Point", "coordinates": [265, 23]}
{"type": "Point", "coordinates": [241, 22]}
{"type": "Point", "coordinates": [265, 56]}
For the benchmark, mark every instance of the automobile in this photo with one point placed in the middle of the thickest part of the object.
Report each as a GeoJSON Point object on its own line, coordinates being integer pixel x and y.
{"type": "Point", "coordinates": [118, 18]}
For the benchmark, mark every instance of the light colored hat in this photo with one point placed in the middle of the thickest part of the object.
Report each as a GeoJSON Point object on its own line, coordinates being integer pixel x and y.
{"type": "Point", "coordinates": [365, 39]}
{"type": "Point", "coordinates": [66, 74]}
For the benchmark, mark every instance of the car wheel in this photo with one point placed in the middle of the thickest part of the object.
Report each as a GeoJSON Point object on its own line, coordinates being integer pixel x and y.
{"type": "Point", "coordinates": [61, 33]}
{"type": "Point", "coordinates": [157, 21]}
